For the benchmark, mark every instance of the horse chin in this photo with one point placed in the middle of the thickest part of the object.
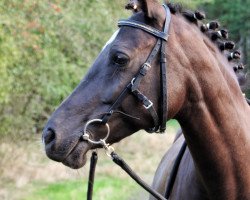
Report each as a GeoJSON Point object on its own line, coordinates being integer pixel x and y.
{"type": "Point", "coordinates": [77, 157]}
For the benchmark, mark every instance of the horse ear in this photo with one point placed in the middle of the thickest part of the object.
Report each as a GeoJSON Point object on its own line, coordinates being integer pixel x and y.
{"type": "Point", "coordinates": [133, 5]}
{"type": "Point", "coordinates": [149, 7]}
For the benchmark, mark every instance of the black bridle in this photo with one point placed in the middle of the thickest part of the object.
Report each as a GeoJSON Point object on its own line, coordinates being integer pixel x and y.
{"type": "Point", "coordinates": [159, 123]}
{"type": "Point", "coordinates": [133, 86]}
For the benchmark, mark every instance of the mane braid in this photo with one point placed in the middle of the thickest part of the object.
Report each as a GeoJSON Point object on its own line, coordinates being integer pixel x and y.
{"type": "Point", "coordinates": [218, 37]}
{"type": "Point", "coordinates": [236, 55]}
{"type": "Point", "coordinates": [175, 7]}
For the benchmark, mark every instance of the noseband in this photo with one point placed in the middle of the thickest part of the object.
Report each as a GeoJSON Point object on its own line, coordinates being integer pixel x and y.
{"type": "Point", "coordinates": [133, 86]}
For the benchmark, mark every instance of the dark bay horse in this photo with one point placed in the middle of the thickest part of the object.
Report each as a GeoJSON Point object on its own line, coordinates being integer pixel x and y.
{"type": "Point", "coordinates": [203, 95]}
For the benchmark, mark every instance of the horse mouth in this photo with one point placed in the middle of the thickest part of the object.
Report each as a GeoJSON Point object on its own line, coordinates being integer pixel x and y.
{"type": "Point", "coordinates": [77, 157]}
{"type": "Point", "coordinates": [71, 151]}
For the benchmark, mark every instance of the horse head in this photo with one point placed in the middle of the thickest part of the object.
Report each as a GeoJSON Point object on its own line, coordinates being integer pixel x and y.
{"type": "Point", "coordinates": [200, 88]}
{"type": "Point", "coordinates": [113, 70]}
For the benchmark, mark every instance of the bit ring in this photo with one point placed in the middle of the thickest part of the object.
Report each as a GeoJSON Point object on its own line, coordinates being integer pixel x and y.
{"type": "Point", "coordinates": [86, 137]}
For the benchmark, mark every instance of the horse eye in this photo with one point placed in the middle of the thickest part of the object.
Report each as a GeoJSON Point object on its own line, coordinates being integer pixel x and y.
{"type": "Point", "coordinates": [120, 59]}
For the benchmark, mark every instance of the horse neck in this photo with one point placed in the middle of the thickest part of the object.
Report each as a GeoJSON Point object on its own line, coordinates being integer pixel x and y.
{"type": "Point", "coordinates": [214, 118]}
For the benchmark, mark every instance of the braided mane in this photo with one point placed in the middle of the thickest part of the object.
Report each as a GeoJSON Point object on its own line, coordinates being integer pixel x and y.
{"type": "Point", "coordinates": [218, 36]}
{"type": "Point", "coordinates": [212, 30]}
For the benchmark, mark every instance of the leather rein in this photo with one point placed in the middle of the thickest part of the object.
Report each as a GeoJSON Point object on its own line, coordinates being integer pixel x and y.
{"type": "Point", "coordinates": [133, 88]}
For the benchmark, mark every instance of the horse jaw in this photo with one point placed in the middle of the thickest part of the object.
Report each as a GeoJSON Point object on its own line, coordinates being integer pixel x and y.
{"type": "Point", "coordinates": [77, 158]}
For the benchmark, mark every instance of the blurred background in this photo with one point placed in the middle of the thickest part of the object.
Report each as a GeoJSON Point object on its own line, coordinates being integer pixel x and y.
{"type": "Point", "coordinates": [46, 47]}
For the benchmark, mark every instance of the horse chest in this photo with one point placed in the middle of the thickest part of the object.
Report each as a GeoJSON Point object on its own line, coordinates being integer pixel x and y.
{"type": "Point", "coordinates": [187, 184]}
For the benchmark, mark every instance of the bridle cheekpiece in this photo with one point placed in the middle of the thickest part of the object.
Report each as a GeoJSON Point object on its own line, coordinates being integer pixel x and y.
{"type": "Point", "coordinates": [133, 86]}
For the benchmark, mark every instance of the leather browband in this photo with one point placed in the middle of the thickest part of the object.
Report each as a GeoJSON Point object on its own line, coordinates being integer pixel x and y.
{"type": "Point", "coordinates": [145, 27]}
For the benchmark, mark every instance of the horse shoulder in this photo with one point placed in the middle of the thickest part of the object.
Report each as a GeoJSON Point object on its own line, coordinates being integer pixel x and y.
{"type": "Point", "coordinates": [187, 183]}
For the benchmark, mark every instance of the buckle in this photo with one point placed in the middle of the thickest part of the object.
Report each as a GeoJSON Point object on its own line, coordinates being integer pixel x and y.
{"type": "Point", "coordinates": [149, 105]}
{"type": "Point", "coordinates": [132, 81]}
{"type": "Point", "coordinates": [144, 68]}
{"type": "Point", "coordinates": [147, 65]}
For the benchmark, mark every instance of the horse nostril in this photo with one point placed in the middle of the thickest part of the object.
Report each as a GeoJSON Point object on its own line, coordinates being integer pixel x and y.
{"type": "Point", "coordinates": [49, 136]}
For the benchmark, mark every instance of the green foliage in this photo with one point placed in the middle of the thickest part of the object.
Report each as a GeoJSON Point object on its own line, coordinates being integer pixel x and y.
{"type": "Point", "coordinates": [191, 3]}
{"type": "Point", "coordinates": [45, 48]}
{"type": "Point", "coordinates": [231, 14]}
{"type": "Point", "coordinates": [104, 188]}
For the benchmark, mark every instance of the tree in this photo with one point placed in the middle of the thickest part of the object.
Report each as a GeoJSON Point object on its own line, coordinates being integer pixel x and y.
{"type": "Point", "coordinates": [45, 49]}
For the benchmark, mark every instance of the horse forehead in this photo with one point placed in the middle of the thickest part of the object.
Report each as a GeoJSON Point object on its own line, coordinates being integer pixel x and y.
{"type": "Point", "coordinates": [113, 37]}
{"type": "Point", "coordinates": [137, 17]}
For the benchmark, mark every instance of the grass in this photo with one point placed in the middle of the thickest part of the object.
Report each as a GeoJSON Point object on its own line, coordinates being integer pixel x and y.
{"type": "Point", "coordinates": [173, 124]}
{"type": "Point", "coordinates": [105, 188]}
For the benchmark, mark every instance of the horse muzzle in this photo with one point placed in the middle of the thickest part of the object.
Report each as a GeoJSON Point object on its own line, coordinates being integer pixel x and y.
{"type": "Point", "coordinates": [71, 151]}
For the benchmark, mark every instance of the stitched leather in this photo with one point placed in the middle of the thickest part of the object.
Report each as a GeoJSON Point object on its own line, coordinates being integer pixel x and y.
{"type": "Point", "coordinates": [145, 27]}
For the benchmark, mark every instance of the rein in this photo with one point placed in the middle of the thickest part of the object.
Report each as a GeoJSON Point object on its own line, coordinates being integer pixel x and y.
{"type": "Point", "coordinates": [133, 88]}
{"type": "Point", "coordinates": [117, 160]}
